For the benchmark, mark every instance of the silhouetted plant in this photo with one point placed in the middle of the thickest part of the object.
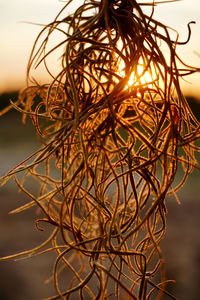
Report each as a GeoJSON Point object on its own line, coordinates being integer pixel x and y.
{"type": "Point", "coordinates": [116, 127]}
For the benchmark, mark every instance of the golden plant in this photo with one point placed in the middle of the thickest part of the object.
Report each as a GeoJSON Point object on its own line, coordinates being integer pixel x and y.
{"type": "Point", "coordinates": [114, 128]}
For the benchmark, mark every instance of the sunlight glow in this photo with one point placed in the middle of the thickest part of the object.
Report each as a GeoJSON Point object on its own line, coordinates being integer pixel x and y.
{"type": "Point", "coordinates": [139, 76]}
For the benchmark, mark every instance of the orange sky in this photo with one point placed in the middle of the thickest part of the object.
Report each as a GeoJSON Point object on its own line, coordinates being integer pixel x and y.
{"type": "Point", "coordinates": [17, 37]}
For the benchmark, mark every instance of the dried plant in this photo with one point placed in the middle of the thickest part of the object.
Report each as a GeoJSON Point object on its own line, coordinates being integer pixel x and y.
{"type": "Point", "coordinates": [114, 128]}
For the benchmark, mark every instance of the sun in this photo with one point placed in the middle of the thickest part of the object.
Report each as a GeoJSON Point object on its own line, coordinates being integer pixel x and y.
{"type": "Point", "coordinates": [141, 75]}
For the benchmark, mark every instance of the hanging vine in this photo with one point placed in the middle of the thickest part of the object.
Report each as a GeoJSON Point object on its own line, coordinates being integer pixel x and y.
{"type": "Point", "coordinates": [115, 126]}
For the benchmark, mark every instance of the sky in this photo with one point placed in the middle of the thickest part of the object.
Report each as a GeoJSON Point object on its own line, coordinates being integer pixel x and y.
{"type": "Point", "coordinates": [17, 36]}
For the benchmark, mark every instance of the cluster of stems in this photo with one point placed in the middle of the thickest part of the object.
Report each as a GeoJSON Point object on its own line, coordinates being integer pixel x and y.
{"type": "Point", "coordinates": [114, 128]}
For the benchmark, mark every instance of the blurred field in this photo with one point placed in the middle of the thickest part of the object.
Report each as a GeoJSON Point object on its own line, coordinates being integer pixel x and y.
{"type": "Point", "coordinates": [24, 279]}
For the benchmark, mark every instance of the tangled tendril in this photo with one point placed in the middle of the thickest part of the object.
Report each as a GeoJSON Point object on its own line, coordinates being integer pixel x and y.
{"type": "Point", "coordinates": [115, 126]}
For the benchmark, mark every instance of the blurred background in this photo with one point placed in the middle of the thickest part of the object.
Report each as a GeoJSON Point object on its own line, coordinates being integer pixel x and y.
{"type": "Point", "coordinates": [25, 279]}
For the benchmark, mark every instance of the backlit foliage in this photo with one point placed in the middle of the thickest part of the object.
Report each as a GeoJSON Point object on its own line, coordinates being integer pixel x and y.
{"type": "Point", "coordinates": [114, 128]}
